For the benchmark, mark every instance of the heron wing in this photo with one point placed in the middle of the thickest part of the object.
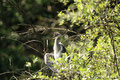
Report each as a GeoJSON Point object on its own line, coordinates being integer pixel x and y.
{"type": "Point", "coordinates": [63, 48]}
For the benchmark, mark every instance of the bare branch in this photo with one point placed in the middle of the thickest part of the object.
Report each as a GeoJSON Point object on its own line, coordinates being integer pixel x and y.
{"type": "Point", "coordinates": [38, 28]}
{"type": "Point", "coordinates": [115, 62]}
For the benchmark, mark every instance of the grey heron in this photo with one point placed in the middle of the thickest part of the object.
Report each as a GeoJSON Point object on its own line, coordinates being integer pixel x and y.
{"type": "Point", "coordinates": [58, 49]}
{"type": "Point", "coordinates": [58, 46]}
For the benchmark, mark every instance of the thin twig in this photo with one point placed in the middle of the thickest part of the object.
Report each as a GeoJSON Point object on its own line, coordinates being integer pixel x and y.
{"type": "Point", "coordinates": [28, 73]}
{"type": "Point", "coordinates": [5, 73]}
{"type": "Point", "coordinates": [13, 77]}
{"type": "Point", "coordinates": [22, 44]}
{"type": "Point", "coordinates": [32, 41]}
{"type": "Point", "coordinates": [39, 70]}
{"type": "Point", "coordinates": [17, 7]}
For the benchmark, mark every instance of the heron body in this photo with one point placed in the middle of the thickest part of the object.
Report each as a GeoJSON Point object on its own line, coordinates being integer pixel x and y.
{"type": "Point", "coordinates": [58, 49]}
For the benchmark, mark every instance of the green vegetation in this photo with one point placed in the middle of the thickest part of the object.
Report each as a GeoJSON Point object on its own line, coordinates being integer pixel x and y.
{"type": "Point", "coordinates": [91, 30]}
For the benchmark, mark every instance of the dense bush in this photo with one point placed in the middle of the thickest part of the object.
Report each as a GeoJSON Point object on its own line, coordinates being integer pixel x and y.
{"type": "Point", "coordinates": [91, 28]}
{"type": "Point", "coordinates": [96, 54]}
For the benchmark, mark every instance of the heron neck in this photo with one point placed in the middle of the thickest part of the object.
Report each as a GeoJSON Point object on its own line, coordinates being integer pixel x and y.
{"type": "Point", "coordinates": [57, 52]}
{"type": "Point", "coordinates": [56, 44]}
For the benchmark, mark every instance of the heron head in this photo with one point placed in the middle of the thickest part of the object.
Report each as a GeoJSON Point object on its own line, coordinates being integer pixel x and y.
{"type": "Point", "coordinates": [56, 34]}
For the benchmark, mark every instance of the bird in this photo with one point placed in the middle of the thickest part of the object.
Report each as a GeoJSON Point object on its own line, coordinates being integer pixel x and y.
{"type": "Point", "coordinates": [58, 49]}
{"type": "Point", "coordinates": [58, 46]}
{"type": "Point", "coordinates": [48, 62]}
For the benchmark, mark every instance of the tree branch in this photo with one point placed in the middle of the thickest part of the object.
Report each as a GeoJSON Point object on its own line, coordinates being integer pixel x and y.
{"type": "Point", "coordinates": [114, 51]}
{"type": "Point", "coordinates": [38, 28]}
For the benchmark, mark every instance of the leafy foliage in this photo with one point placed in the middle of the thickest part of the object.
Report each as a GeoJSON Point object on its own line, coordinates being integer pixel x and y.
{"type": "Point", "coordinates": [96, 55]}
{"type": "Point", "coordinates": [94, 45]}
